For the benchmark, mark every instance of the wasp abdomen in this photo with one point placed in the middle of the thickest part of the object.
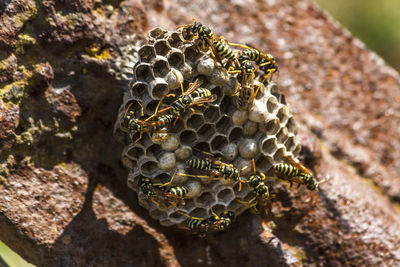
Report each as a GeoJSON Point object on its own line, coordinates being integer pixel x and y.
{"type": "Point", "coordinates": [287, 169]}
{"type": "Point", "coordinates": [179, 190]}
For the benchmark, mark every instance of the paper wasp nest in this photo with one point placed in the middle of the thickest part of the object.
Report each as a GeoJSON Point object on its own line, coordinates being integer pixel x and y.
{"type": "Point", "coordinates": [265, 134]}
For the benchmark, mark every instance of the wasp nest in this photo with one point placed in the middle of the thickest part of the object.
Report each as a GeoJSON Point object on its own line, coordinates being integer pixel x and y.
{"type": "Point", "coordinates": [265, 134]}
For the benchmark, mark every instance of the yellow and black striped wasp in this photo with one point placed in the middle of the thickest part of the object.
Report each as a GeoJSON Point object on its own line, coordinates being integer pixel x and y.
{"type": "Point", "coordinates": [265, 62]}
{"type": "Point", "coordinates": [296, 172]}
{"type": "Point", "coordinates": [194, 95]}
{"type": "Point", "coordinates": [214, 223]}
{"type": "Point", "coordinates": [246, 94]}
{"type": "Point", "coordinates": [158, 193]}
{"type": "Point", "coordinates": [262, 197]}
{"type": "Point", "coordinates": [200, 31]}
{"type": "Point", "coordinates": [218, 47]}
{"type": "Point", "coordinates": [153, 124]}
{"type": "Point", "coordinates": [224, 51]}
{"type": "Point", "coordinates": [214, 167]}
{"type": "Point", "coordinates": [205, 34]}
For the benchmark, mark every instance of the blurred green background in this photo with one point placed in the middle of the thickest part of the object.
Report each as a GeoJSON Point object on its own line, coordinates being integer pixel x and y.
{"type": "Point", "coordinates": [7, 256]}
{"type": "Point", "coordinates": [376, 23]}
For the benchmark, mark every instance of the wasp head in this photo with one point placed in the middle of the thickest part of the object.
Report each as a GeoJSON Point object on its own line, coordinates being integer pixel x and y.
{"type": "Point", "coordinates": [196, 27]}
{"type": "Point", "coordinates": [228, 214]}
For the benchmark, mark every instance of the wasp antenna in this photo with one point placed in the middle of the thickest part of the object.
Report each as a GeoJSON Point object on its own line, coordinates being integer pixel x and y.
{"type": "Point", "coordinates": [179, 80]}
{"type": "Point", "coordinates": [183, 213]}
{"type": "Point", "coordinates": [254, 166]}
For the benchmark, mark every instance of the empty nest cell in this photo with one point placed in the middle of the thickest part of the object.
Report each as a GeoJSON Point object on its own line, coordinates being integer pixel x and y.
{"type": "Point", "coordinates": [144, 73]}
{"type": "Point", "coordinates": [211, 114]}
{"type": "Point", "coordinates": [146, 53]}
{"type": "Point", "coordinates": [188, 137]}
{"type": "Point", "coordinates": [226, 195]}
{"type": "Point", "coordinates": [157, 33]}
{"type": "Point", "coordinates": [206, 131]}
{"type": "Point", "coordinates": [158, 88]}
{"type": "Point", "coordinates": [268, 145]}
{"type": "Point", "coordinates": [218, 142]}
{"type": "Point", "coordinates": [162, 47]}
{"type": "Point", "coordinates": [224, 124]}
{"type": "Point", "coordinates": [192, 53]}
{"type": "Point", "coordinates": [139, 89]}
{"type": "Point", "coordinates": [195, 121]}
{"type": "Point", "coordinates": [161, 67]}
{"type": "Point", "coordinates": [235, 134]}
{"type": "Point", "coordinates": [175, 40]}
{"type": "Point", "coordinates": [206, 199]}
{"type": "Point", "coordinates": [134, 152]}
{"type": "Point", "coordinates": [176, 59]}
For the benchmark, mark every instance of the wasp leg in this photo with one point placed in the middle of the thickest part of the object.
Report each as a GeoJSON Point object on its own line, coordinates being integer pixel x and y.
{"type": "Point", "coordinates": [213, 213]}
{"type": "Point", "coordinates": [315, 200]}
{"type": "Point", "coordinates": [256, 92]}
{"type": "Point", "coordinates": [155, 202]}
{"type": "Point", "coordinates": [240, 184]}
{"type": "Point", "coordinates": [234, 71]}
{"type": "Point", "coordinates": [169, 182]}
{"type": "Point", "coordinates": [140, 137]}
{"type": "Point", "coordinates": [239, 45]}
{"type": "Point", "coordinates": [271, 75]}
{"type": "Point", "coordinates": [187, 215]}
{"type": "Point", "coordinates": [155, 112]}
{"type": "Point", "coordinates": [266, 76]}
{"type": "Point", "coordinates": [193, 175]}
{"type": "Point", "coordinates": [247, 203]}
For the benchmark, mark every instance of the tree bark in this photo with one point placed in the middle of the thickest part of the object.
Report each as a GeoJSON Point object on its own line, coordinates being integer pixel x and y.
{"type": "Point", "coordinates": [64, 199]}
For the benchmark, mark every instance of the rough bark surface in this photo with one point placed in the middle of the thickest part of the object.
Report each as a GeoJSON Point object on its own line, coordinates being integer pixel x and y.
{"type": "Point", "coordinates": [64, 199]}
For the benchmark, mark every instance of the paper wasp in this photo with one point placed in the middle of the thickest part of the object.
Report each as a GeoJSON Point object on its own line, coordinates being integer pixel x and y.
{"type": "Point", "coordinates": [205, 34]}
{"type": "Point", "coordinates": [142, 125]}
{"type": "Point", "coordinates": [218, 47]}
{"type": "Point", "coordinates": [215, 168]}
{"type": "Point", "coordinates": [246, 93]}
{"type": "Point", "coordinates": [194, 95]}
{"type": "Point", "coordinates": [260, 189]}
{"type": "Point", "coordinates": [265, 62]}
{"type": "Point", "coordinates": [215, 223]}
{"type": "Point", "coordinates": [172, 196]}
{"type": "Point", "coordinates": [296, 172]}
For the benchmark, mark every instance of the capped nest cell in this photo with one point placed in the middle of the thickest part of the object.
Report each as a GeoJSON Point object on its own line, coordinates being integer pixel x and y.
{"type": "Point", "coordinates": [265, 134]}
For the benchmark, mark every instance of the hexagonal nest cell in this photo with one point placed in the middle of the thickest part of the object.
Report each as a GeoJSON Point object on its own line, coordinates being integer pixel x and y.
{"type": "Point", "coordinates": [215, 128]}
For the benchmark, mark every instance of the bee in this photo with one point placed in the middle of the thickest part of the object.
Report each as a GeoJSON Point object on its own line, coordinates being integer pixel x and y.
{"type": "Point", "coordinates": [214, 223]}
{"type": "Point", "coordinates": [215, 167]}
{"type": "Point", "coordinates": [296, 172]}
{"type": "Point", "coordinates": [261, 192]}
{"type": "Point", "coordinates": [172, 196]}
{"type": "Point", "coordinates": [194, 95]}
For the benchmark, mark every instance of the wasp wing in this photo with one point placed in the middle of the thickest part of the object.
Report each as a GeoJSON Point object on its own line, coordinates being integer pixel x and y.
{"type": "Point", "coordinates": [193, 87]}
{"type": "Point", "coordinates": [203, 100]}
